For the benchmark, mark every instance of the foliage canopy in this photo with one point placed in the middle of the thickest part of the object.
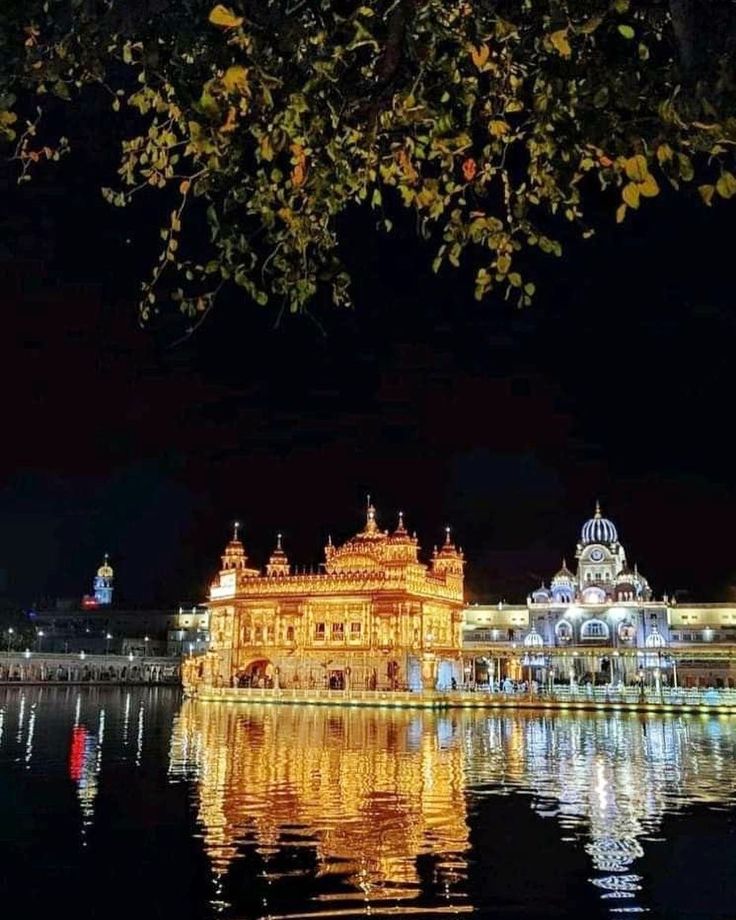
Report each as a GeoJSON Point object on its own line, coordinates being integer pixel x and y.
{"type": "Point", "coordinates": [494, 122]}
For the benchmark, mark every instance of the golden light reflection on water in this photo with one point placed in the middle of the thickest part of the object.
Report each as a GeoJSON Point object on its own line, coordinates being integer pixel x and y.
{"type": "Point", "coordinates": [369, 791]}
{"type": "Point", "coordinates": [374, 791]}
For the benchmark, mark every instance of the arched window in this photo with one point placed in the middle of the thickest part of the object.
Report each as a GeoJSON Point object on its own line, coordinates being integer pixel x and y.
{"type": "Point", "coordinates": [564, 631]}
{"type": "Point", "coordinates": [594, 629]}
{"type": "Point", "coordinates": [594, 595]}
{"type": "Point", "coordinates": [626, 632]}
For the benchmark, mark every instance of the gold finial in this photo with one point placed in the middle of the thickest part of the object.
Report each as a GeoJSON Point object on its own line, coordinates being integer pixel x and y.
{"type": "Point", "coordinates": [447, 536]}
{"type": "Point", "coordinates": [370, 517]}
{"type": "Point", "coordinates": [236, 528]}
{"type": "Point", "coordinates": [597, 509]}
{"type": "Point", "coordinates": [278, 542]}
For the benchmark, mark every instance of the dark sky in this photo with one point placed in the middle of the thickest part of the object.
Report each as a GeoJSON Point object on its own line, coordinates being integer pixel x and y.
{"type": "Point", "coordinates": [617, 384]}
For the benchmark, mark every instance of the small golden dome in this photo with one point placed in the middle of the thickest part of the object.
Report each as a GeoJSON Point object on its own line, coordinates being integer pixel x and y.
{"type": "Point", "coordinates": [105, 570]}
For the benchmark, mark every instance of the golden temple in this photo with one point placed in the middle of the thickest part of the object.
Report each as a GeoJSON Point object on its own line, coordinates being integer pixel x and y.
{"type": "Point", "coordinates": [374, 618]}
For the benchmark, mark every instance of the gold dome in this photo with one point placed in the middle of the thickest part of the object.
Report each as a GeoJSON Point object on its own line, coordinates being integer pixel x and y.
{"type": "Point", "coordinates": [105, 570]}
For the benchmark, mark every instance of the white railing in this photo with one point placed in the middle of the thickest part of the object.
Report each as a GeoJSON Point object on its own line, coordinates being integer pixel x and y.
{"type": "Point", "coordinates": [560, 695]}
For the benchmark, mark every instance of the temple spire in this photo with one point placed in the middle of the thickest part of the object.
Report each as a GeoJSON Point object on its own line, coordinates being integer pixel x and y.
{"type": "Point", "coordinates": [370, 517]}
{"type": "Point", "coordinates": [597, 514]}
{"type": "Point", "coordinates": [236, 528]}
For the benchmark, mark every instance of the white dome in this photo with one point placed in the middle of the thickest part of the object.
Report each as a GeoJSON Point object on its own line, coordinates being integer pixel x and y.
{"type": "Point", "coordinates": [598, 529]}
{"type": "Point", "coordinates": [533, 639]}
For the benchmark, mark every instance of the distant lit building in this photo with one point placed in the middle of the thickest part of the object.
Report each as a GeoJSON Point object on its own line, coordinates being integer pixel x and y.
{"type": "Point", "coordinates": [102, 587]}
{"type": "Point", "coordinates": [375, 617]}
{"type": "Point", "coordinates": [600, 624]}
{"type": "Point", "coordinates": [98, 626]}
{"type": "Point", "coordinates": [189, 633]}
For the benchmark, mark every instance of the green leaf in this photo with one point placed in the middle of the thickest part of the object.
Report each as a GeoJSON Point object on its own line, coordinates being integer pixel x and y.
{"type": "Point", "coordinates": [561, 43]}
{"type": "Point", "coordinates": [636, 168]}
{"type": "Point", "coordinates": [706, 193]}
{"type": "Point", "coordinates": [687, 170]}
{"type": "Point", "coordinates": [221, 16]}
{"type": "Point", "coordinates": [590, 25]}
{"type": "Point", "coordinates": [626, 31]}
{"type": "Point", "coordinates": [726, 185]}
{"type": "Point", "coordinates": [630, 194]}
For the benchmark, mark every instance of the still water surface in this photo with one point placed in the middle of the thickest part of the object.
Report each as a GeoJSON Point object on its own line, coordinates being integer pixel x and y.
{"type": "Point", "coordinates": [132, 803]}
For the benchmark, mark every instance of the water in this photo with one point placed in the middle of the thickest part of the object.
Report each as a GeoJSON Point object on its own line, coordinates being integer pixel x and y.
{"type": "Point", "coordinates": [132, 803]}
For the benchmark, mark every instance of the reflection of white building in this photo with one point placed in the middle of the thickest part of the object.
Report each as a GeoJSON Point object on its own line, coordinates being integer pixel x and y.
{"type": "Point", "coordinates": [608, 781]}
{"type": "Point", "coordinates": [606, 619]}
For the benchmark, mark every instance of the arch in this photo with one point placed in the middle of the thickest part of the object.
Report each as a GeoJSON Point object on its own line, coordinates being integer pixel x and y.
{"type": "Point", "coordinates": [562, 595]}
{"type": "Point", "coordinates": [257, 673]}
{"type": "Point", "coordinates": [594, 629]}
{"type": "Point", "coordinates": [563, 631]}
{"type": "Point", "coordinates": [626, 631]}
{"type": "Point", "coordinates": [594, 595]}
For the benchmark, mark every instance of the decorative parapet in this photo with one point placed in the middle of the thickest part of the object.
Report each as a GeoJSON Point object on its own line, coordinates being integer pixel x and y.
{"type": "Point", "coordinates": [425, 585]}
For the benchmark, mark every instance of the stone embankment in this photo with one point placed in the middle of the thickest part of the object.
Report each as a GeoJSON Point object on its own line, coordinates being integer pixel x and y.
{"type": "Point", "coordinates": [720, 702]}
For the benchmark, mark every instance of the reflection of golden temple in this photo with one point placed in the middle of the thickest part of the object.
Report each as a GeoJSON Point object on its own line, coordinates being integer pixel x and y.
{"type": "Point", "coordinates": [369, 790]}
{"type": "Point", "coordinates": [375, 618]}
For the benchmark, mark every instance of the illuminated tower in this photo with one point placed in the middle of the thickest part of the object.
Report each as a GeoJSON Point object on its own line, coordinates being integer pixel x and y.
{"type": "Point", "coordinates": [103, 584]}
{"type": "Point", "coordinates": [278, 564]}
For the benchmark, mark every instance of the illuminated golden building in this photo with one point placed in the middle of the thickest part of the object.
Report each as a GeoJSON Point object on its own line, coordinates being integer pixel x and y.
{"type": "Point", "coordinates": [369, 790]}
{"type": "Point", "coordinates": [374, 618]}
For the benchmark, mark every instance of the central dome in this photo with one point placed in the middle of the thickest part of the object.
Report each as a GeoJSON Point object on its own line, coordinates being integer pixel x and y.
{"type": "Point", "coordinates": [598, 529]}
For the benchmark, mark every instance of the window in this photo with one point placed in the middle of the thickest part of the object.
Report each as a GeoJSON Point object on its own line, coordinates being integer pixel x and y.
{"type": "Point", "coordinates": [258, 634]}
{"type": "Point", "coordinates": [289, 633]}
{"type": "Point", "coordinates": [338, 631]}
{"type": "Point", "coordinates": [319, 632]}
{"type": "Point", "coordinates": [594, 629]}
{"type": "Point", "coordinates": [355, 629]}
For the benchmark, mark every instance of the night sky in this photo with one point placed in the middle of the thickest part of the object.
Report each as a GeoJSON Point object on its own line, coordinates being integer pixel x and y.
{"type": "Point", "coordinates": [617, 384]}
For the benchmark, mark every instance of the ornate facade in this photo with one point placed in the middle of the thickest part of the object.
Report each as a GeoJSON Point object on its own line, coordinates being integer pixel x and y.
{"type": "Point", "coordinates": [600, 624]}
{"type": "Point", "coordinates": [374, 617]}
